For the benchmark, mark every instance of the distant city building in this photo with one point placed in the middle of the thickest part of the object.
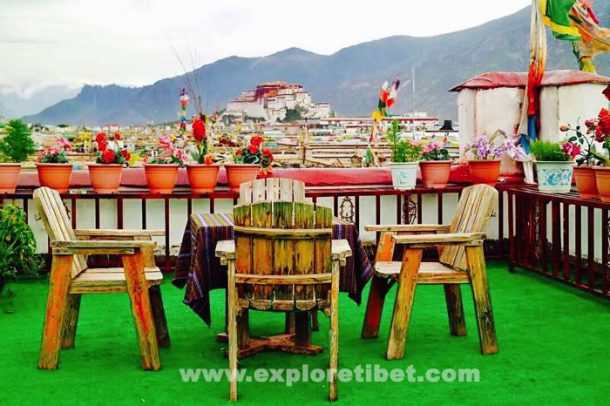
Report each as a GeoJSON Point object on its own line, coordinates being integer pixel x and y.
{"type": "Point", "coordinates": [272, 101]}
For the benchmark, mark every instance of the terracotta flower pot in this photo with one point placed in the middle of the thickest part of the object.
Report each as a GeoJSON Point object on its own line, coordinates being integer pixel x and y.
{"type": "Point", "coordinates": [161, 178]}
{"type": "Point", "coordinates": [585, 182]}
{"type": "Point", "coordinates": [55, 176]}
{"type": "Point", "coordinates": [484, 171]}
{"type": "Point", "coordinates": [105, 178]}
{"type": "Point", "coordinates": [203, 178]}
{"type": "Point", "coordinates": [602, 178]}
{"type": "Point", "coordinates": [240, 173]}
{"type": "Point", "coordinates": [435, 174]}
{"type": "Point", "coordinates": [9, 177]}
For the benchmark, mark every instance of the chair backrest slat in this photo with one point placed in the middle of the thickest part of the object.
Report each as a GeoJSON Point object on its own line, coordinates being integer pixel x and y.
{"type": "Point", "coordinates": [290, 254]}
{"type": "Point", "coordinates": [475, 207]}
{"type": "Point", "coordinates": [57, 222]}
{"type": "Point", "coordinates": [272, 189]}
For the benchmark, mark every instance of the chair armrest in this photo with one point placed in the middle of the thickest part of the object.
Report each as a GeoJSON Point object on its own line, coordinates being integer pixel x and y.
{"type": "Point", "coordinates": [115, 234]}
{"type": "Point", "coordinates": [413, 228]}
{"type": "Point", "coordinates": [340, 250]}
{"type": "Point", "coordinates": [96, 247]}
{"type": "Point", "coordinates": [225, 250]}
{"type": "Point", "coordinates": [427, 240]}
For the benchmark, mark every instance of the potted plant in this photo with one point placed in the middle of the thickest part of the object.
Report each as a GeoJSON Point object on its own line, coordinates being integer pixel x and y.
{"type": "Point", "coordinates": [435, 166]}
{"type": "Point", "coordinates": [554, 164]}
{"type": "Point", "coordinates": [250, 161]}
{"type": "Point", "coordinates": [403, 160]}
{"type": "Point", "coordinates": [484, 154]}
{"type": "Point", "coordinates": [18, 248]}
{"type": "Point", "coordinates": [162, 165]}
{"type": "Point", "coordinates": [203, 173]}
{"type": "Point", "coordinates": [15, 148]}
{"type": "Point", "coordinates": [584, 174]}
{"type": "Point", "coordinates": [105, 173]}
{"type": "Point", "coordinates": [602, 137]}
{"type": "Point", "coordinates": [53, 168]}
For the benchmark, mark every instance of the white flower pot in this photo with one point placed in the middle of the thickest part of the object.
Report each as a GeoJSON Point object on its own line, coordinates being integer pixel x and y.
{"type": "Point", "coordinates": [555, 176]}
{"type": "Point", "coordinates": [404, 175]}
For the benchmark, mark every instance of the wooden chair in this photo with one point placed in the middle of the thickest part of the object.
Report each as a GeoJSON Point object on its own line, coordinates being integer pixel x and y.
{"type": "Point", "coordinates": [272, 189]}
{"type": "Point", "coordinates": [276, 189]}
{"type": "Point", "coordinates": [70, 277]}
{"type": "Point", "coordinates": [461, 260]}
{"type": "Point", "coordinates": [283, 259]}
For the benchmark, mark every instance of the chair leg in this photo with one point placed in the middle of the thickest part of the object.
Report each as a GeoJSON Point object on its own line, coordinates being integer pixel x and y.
{"type": "Point", "coordinates": [455, 310]}
{"type": "Point", "coordinates": [232, 331]}
{"type": "Point", "coordinates": [404, 301]}
{"type": "Point", "coordinates": [315, 324]}
{"type": "Point", "coordinates": [482, 301]}
{"type": "Point", "coordinates": [59, 285]}
{"type": "Point", "coordinates": [141, 310]}
{"type": "Point", "coordinates": [379, 288]}
{"type": "Point", "coordinates": [70, 321]}
{"type": "Point", "coordinates": [374, 306]}
{"type": "Point", "coordinates": [156, 302]}
{"type": "Point", "coordinates": [334, 332]}
{"type": "Point", "coordinates": [303, 329]}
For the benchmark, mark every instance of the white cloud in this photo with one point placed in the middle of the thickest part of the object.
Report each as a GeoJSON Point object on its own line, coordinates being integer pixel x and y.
{"type": "Point", "coordinates": [130, 42]}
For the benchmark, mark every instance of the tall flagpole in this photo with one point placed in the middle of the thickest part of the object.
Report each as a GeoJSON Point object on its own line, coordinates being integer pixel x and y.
{"type": "Point", "coordinates": [413, 83]}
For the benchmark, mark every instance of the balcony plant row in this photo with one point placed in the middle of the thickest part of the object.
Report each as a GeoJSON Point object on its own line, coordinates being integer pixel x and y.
{"type": "Point", "coordinates": [592, 156]}
{"type": "Point", "coordinates": [483, 154]}
{"type": "Point", "coordinates": [160, 166]}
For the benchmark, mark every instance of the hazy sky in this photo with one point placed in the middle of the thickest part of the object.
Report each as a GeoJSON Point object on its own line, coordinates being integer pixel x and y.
{"type": "Point", "coordinates": [71, 42]}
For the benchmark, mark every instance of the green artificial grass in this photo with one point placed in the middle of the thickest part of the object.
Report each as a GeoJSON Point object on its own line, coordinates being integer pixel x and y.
{"type": "Point", "coordinates": [553, 343]}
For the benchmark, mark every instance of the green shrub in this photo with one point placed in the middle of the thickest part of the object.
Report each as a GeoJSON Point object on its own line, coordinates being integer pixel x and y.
{"type": "Point", "coordinates": [548, 151]}
{"type": "Point", "coordinates": [17, 244]}
{"type": "Point", "coordinates": [17, 145]}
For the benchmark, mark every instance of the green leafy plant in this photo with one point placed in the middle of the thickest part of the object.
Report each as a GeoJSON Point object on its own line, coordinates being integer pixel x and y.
{"type": "Point", "coordinates": [554, 151]}
{"type": "Point", "coordinates": [402, 150]}
{"type": "Point", "coordinates": [17, 145]}
{"type": "Point", "coordinates": [17, 244]}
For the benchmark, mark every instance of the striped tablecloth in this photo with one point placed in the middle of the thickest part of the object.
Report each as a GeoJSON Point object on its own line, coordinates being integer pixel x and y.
{"type": "Point", "coordinates": [200, 271]}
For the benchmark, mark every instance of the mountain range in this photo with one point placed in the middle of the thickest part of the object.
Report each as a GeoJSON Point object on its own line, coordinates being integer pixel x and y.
{"type": "Point", "coordinates": [349, 79]}
{"type": "Point", "coordinates": [16, 104]}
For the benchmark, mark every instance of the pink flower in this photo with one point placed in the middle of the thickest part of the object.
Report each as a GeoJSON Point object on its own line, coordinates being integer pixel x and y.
{"type": "Point", "coordinates": [431, 146]}
{"type": "Point", "coordinates": [180, 154]}
{"type": "Point", "coordinates": [165, 141]}
{"type": "Point", "coordinates": [571, 149]}
{"type": "Point", "coordinates": [64, 144]}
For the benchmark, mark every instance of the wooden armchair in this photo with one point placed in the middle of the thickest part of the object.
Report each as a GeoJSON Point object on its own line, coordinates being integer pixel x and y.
{"type": "Point", "coordinates": [70, 277]}
{"type": "Point", "coordinates": [283, 259]}
{"type": "Point", "coordinates": [461, 260]}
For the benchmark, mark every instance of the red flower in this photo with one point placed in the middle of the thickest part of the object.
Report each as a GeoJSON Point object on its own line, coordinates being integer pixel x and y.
{"type": "Point", "coordinates": [126, 154]}
{"type": "Point", "coordinates": [108, 156]}
{"type": "Point", "coordinates": [117, 136]}
{"type": "Point", "coordinates": [239, 152]}
{"type": "Point", "coordinates": [208, 160]}
{"type": "Point", "coordinates": [102, 145]}
{"type": "Point", "coordinates": [198, 130]}
{"type": "Point", "coordinates": [253, 149]}
{"type": "Point", "coordinates": [256, 141]}
{"type": "Point", "coordinates": [101, 137]}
